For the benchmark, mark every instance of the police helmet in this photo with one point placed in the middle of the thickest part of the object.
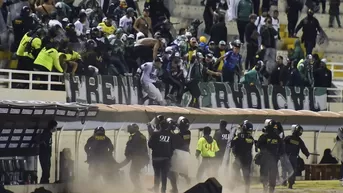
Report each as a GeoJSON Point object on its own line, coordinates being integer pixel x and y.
{"type": "Point", "coordinates": [279, 127]}
{"type": "Point", "coordinates": [99, 131]}
{"type": "Point", "coordinates": [183, 123]}
{"type": "Point", "coordinates": [132, 128]}
{"type": "Point", "coordinates": [171, 124]}
{"type": "Point", "coordinates": [247, 127]}
{"type": "Point", "coordinates": [297, 130]}
{"type": "Point", "coordinates": [223, 124]}
{"type": "Point", "coordinates": [25, 11]}
{"type": "Point", "coordinates": [270, 125]}
{"type": "Point", "coordinates": [237, 43]}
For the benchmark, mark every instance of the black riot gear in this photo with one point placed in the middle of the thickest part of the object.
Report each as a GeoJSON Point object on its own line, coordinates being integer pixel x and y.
{"type": "Point", "coordinates": [132, 128]}
{"type": "Point", "coordinates": [99, 131]}
{"type": "Point", "coordinates": [25, 11]}
{"type": "Point", "coordinates": [171, 124]}
{"type": "Point", "coordinates": [297, 130]}
{"type": "Point", "coordinates": [247, 127]}
{"type": "Point", "coordinates": [183, 123]}
{"type": "Point", "coordinates": [270, 125]}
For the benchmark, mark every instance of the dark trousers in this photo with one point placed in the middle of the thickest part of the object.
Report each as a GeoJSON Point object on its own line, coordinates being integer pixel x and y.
{"type": "Point", "coordinates": [143, 54]}
{"type": "Point", "coordinates": [45, 163]}
{"type": "Point", "coordinates": [176, 84]}
{"type": "Point", "coordinates": [161, 170]}
{"type": "Point", "coordinates": [257, 4]}
{"type": "Point", "coordinates": [206, 165]}
{"type": "Point", "coordinates": [208, 22]}
{"type": "Point", "coordinates": [173, 181]}
{"type": "Point", "coordinates": [268, 172]}
{"type": "Point", "coordinates": [135, 170]}
{"type": "Point", "coordinates": [331, 18]}
{"type": "Point", "coordinates": [193, 87]}
{"type": "Point", "coordinates": [294, 162]}
{"type": "Point", "coordinates": [241, 29]}
{"type": "Point", "coordinates": [244, 165]}
{"type": "Point", "coordinates": [309, 45]}
{"type": "Point", "coordinates": [251, 54]}
{"type": "Point", "coordinates": [292, 22]}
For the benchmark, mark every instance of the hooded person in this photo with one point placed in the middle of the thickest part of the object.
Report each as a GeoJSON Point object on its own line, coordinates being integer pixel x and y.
{"type": "Point", "coordinates": [207, 147]}
{"type": "Point", "coordinates": [298, 52]}
{"type": "Point", "coordinates": [253, 76]}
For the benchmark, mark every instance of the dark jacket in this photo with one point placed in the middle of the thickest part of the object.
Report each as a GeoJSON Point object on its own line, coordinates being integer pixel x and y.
{"type": "Point", "coordinates": [268, 36]}
{"type": "Point", "coordinates": [242, 145]}
{"type": "Point", "coordinates": [310, 26]}
{"type": "Point", "coordinates": [294, 144]}
{"type": "Point", "coordinates": [270, 144]}
{"type": "Point", "coordinates": [298, 53]}
{"type": "Point", "coordinates": [275, 76]}
{"type": "Point", "coordinates": [251, 34]}
{"type": "Point", "coordinates": [334, 7]}
{"type": "Point", "coordinates": [136, 146]}
{"type": "Point", "coordinates": [99, 147]}
{"type": "Point", "coordinates": [218, 32]}
{"type": "Point", "coordinates": [295, 78]}
{"type": "Point", "coordinates": [162, 145]}
{"type": "Point", "coordinates": [221, 137]}
{"type": "Point", "coordinates": [322, 77]}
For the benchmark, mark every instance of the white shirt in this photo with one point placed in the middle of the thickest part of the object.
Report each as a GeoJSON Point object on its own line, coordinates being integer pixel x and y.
{"type": "Point", "coordinates": [78, 28]}
{"type": "Point", "coordinates": [149, 73]}
{"type": "Point", "coordinates": [260, 21]}
{"type": "Point", "coordinates": [276, 24]}
{"type": "Point", "coordinates": [126, 23]}
{"type": "Point", "coordinates": [54, 22]}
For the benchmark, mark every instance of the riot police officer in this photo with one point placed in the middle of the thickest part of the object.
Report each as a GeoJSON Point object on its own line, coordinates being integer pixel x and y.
{"type": "Point", "coordinates": [136, 151]}
{"type": "Point", "coordinates": [293, 144]}
{"type": "Point", "coordinates": [242, 149]}
{"type": "Point", "coordinates": [99, 149]}
{"type": "Point", "coordinates": [271, 146]}
{"type": "Point", "coordinates": [154, 125]}
{"type": "Point", "coordinates": [21, 25]}
{"type": "Point", "coordinates": [221, 136]}
{"type": "Point", "coordinates": [161, 144]}
{"type": "Point", "coordinates": [177, 143]}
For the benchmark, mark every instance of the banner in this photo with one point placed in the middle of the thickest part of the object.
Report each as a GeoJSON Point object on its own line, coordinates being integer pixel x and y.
{"type": "Point", "coordinates": [121, 90]}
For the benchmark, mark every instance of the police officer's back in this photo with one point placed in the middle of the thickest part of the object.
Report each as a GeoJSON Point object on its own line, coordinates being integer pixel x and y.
{"type": "Point", "coordinates": [270, 142]}
{"type": "Point", "coordinates": [136, 146]}
{"type": "Point", "coordinates": [99, 147]}
{"type": "Point", "coordinates": [161, 143]}
{"type": "Point", "coordinates": [221, 136]}
{"type": "Point", "coordinates": [293, 145]}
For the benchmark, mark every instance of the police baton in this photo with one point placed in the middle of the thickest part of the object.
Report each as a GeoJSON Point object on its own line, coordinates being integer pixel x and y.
{"type": "Point", "coordinates": [315, 154]}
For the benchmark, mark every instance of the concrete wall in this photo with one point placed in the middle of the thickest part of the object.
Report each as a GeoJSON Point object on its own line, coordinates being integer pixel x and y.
{"type": "Point", "coordinates": [27, 95]}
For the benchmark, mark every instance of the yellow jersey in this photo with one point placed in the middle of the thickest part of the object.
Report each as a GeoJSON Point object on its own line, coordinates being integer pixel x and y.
{"type": "Point", "coordinates": [48, 59]}
{"type": "Point", "coordinates": [108, 30]}
{"type": "Point", "coordinates": [221, 64]}
{"type": "Point", "coordinates": [207, 149]}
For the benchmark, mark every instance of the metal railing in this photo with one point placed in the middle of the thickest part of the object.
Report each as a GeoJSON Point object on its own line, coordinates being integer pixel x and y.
{"type": "Point", "coordinates": [9, 78]}
{"type": "Point", "coordinates": [336, 68]}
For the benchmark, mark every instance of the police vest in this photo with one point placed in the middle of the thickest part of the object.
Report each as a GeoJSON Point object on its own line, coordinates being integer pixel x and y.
{"type": "Point", "coordinates": [48, 59]}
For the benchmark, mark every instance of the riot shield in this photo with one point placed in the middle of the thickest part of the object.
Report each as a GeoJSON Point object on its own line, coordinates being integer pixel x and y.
{"type": "Point", "coordinates": [340, 134]}
{"type": "Point", "coordinates": [285, 169]}
{"type": "Point", "coordinates": [179, 161]}
{"type": "Point", "coordinates": [15, 9]}
{"type": "Point", "coordinates": [337, 151]}
{"type": "Point", "coordinates": [227, 155]}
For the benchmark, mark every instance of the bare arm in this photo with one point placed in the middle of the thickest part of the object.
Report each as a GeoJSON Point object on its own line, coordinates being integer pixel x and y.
{"type": "Point", "coordinates": [155, 49]}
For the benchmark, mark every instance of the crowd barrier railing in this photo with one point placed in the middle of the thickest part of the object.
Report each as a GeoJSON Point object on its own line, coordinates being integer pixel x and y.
{"type": "Point", "coordinates": [10, 77]}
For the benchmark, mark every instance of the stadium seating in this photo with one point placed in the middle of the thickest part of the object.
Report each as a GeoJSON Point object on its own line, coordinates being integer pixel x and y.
{"type": "Point", "coordinates": [187, 10]}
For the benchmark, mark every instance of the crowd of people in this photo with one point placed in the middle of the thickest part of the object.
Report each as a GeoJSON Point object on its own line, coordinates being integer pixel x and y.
{"type": "Point", "coordinates": [117, 39]}
{"type": "Point", "coordinates": [167, 138]}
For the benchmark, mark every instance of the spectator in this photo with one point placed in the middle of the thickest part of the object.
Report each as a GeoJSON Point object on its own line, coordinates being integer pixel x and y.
{"type": "Point", "coordinates": [119, 12]}
{"type": "Point", "coordinates": [276, 23]}
{"type": "Point", "coordinates": [298, 52]}
{"type": "Point", "coordinates": [219, 31]}
{"type": "Point", "coordinates": [210, 7]}
{"type": "Point", "coordinates": [293, 9]}
{"type": "Point", "coordinates": [107, 27]}
{"type": "Point", "coordinates": [232, 63]}
{"type": "Point", "coordinates": [260, 21]}
{"type": "Point", "coordinates": [311, 27]}
{"type": "Point", "coordinates": [157, 10]}
{"type": "Point", "coordinates": [253, 76]}
{"type": "Point", "coordinates": [126, 22]}
{"type": "Point", "coordinates": [334, 12]}
{"type": "Point", "coordinates": [220, 51]}
{"type": "Point", "coordinates": [80, 24]}
{"type": "Point", "coordinates": [47, 8]}
{"type": "Point", "coordinates": [284, 73]}
{"type": "Point", "coordinates": [275, 76]}
{"type": "Point", "coordinates": [327, 158]}
{"type": "Point", "coordinates": [305, 68]}
{"type": "Point", "coordinates": [251, 37]}
{"type": "Point", "coordinates": [245, 9]}
{"type": "Point", "coordinates": [294, 78]}
{"type": "Point", "coordinates": [322, 76]}
{"type": "Point", "coordinates": [268, 34]}
{"type": "Point", "coordinates": [143, 23]}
